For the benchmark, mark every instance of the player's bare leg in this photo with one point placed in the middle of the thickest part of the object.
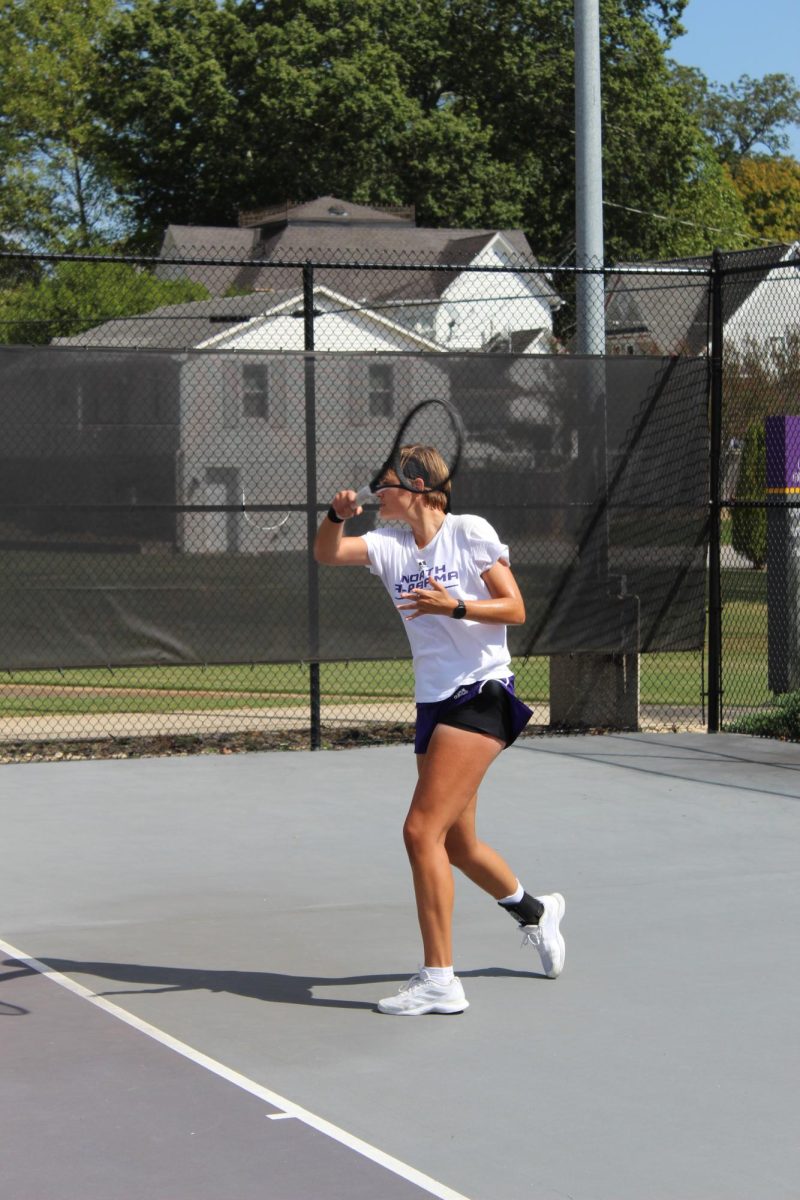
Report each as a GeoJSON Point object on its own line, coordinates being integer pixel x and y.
{"type": "Point", "coordinates": [449, 777]}
{"type": "Point", "coordinates": [479, 861]}
{"type": "Point", "coordinates": [539, 917]}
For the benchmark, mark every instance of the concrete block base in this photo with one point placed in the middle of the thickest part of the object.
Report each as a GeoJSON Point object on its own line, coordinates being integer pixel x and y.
{"type": "Point", "coordinates": [592, 690]}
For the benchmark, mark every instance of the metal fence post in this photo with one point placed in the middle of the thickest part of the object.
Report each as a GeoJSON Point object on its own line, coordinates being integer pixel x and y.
{"type": "Point", "coordinates": [314, 697]}
{"type": "Point", "coordinates": [714, 539]}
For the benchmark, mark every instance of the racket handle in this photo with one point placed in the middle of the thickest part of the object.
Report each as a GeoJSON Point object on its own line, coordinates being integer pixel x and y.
{"type": "Point", "coordinates": [363, 494]}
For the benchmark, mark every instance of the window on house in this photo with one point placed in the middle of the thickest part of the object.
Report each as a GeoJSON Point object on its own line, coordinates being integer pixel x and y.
{"type": "Point", "coordinates": [255, 390]}
{"type": "Point", "coordinates": [381, 390]}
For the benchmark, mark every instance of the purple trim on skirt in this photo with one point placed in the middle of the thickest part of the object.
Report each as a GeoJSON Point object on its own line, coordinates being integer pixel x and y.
{"type": "Point", "coordinates": [429, 715]}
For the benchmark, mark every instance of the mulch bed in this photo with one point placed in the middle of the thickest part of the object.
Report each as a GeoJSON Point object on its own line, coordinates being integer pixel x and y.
{"type": "Point", "coordinates": [183, 745]}
{"type": "Point", "coordinates": [178, 745]}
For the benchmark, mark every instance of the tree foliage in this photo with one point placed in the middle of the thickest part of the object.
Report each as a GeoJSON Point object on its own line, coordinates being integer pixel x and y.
{"type": "Point", "coordinates": [749, 525]}
{"type": "Point", "coordinates": [750, 113]}
{"type": "Point", "coordinates": [188, 111]}
{"type": "Point", "coordinates": [61, 193]}
{"type": "Point", "coordinates": [769, 189]}
{"type": "Point", "coordinates": [76, 296]}
{"type": "Point", "coordinates": [463, 108]}
{"type": "Point", "coordinates": [740, 121]}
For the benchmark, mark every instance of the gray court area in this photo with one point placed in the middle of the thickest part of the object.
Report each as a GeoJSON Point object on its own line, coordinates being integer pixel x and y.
{"type": "Point", "coordinates": [255, 907]}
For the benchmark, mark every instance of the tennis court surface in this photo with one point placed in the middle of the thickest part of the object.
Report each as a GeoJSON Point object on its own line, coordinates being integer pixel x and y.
{"type": "Point", "coordinates": [192, 949]}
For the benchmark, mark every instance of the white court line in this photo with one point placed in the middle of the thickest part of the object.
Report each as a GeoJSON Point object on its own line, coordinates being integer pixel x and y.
{"type": "Point", "coordinates": [288, 1108]}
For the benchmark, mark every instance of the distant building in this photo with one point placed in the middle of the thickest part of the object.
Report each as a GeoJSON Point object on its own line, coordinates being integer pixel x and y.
{"type": "Point", "coordinates": [230, 369]}
{"type": "Point", "coordinates": [668, 313]}
{"type": "Point", "coordinates": [456, 301]}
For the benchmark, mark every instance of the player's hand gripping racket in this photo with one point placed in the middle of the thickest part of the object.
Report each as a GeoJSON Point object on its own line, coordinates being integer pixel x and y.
{"type": "Point", "coordinates": [433, 423]}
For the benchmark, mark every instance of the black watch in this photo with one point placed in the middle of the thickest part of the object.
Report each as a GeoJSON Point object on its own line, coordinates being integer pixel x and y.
{"type": "Point", "coordinates": [459, 612]}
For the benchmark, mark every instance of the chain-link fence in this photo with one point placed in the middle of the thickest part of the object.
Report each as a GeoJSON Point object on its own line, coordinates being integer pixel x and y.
{"type": "Point", "coordinates": [759, 491]}
{"type": "Point", "coordinates": [175, 427]}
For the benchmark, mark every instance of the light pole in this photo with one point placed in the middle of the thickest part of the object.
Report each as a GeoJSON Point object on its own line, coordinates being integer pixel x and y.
{"type": "Point", "coordinates": [597, 684]}
{"type": "Point", "coordinates": [590, 308]}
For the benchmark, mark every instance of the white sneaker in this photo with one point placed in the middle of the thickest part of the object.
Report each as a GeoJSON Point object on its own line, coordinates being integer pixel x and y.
{"type": "Point", "coordinates": [421, 995]}
{"type": "Point", "coordinates": [546, 936]}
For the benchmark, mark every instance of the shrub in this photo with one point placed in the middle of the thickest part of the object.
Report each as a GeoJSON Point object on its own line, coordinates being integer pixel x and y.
{"type": "Point", "coordinates": [749, 525]}
{"type": "Point", "coordinates": [782, 721]}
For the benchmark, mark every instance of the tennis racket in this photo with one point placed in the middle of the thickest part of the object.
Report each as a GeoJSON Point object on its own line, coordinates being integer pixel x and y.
{"type": "Point", "coordinates": [433, 423]}
{"type": "Point", "coordinates": [257, 524]}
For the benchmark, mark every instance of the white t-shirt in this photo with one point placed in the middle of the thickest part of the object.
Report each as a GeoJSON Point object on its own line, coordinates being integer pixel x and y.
{"type": "Point", "coordinates": [446, 653]}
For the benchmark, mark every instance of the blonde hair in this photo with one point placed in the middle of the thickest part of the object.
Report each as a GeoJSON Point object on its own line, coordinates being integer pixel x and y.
{"type": "Point", "coordinates": [427, 463]}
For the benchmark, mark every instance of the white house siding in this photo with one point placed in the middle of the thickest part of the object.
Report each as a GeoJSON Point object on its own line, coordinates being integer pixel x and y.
{"type": "Point", "coordinates": [263, 458]}
{"type": "Point", "coordinates": [769, 313]}
{"type": "Point", "coordinates": [481, 305]}
{"type": "Point", "coordinates": [334, 329]}
{"type": "Point", "coordinates": [417, 316]}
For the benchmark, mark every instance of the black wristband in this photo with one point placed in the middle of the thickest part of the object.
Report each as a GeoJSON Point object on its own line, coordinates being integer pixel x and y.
{"type": "Point", "coordinates": [333, 516]}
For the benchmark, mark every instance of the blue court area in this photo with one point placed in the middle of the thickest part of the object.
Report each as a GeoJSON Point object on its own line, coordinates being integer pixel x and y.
{"type": "Point", "coordinates": [192, 950]}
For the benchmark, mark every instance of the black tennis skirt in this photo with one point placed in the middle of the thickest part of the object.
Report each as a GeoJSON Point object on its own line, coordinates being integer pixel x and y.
{"type": "Point", "coordinates": [489, 707]}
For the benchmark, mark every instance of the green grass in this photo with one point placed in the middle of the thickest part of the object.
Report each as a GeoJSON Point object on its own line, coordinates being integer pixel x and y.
{"type": "Point", "coordinates": [240, 678]}
{"type": "Point", "coordinates": [744, 638]}
{"type": "Point", "coordinates": [186, 689]}
{"type": "Point", "coordinates": [726, 529]}
{"type": "Point", "coordinates": [671, 679]}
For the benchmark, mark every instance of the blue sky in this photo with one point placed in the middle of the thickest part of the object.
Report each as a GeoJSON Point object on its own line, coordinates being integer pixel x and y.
{"type": "Point", "coordinates": [729, 38]}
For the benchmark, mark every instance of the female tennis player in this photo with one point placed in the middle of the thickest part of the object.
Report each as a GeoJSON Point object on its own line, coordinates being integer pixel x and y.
{"type": "Point", "coordinates": [450, 579]}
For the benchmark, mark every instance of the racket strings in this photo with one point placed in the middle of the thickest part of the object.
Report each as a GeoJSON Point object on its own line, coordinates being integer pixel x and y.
{"type": "Point", "coordinates": [256, 524]}
{"type": "Point", "coordinates": [425, 454]}
{"type": "Point", "coordinates": [430, 448]}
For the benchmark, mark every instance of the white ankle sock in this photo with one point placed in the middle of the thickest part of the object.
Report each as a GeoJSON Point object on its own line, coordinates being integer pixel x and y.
{"type": "Point", "coordinates": [441, 975]}
{"type": "Point", "coordinates": [515, 897]}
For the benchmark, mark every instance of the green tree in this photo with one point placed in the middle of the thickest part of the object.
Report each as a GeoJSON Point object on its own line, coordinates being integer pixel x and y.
{"type": "Point", "coordinates": [76, 296]}
{"type": "Point", "coordinates": [189, 110]}
{"type": "Point", "coordinates": [749, 525]}
{"type": "Point", "coordinates": [176, 109]}
{"type": "Point", "coordinates": [26, 206]}
{"type": "Point", "coordinates": [769, 190]}
{"type": "Point", "coordinates": [740, 117]}
{"type": "Point", "coordinates": [659, 164]}
{"type": "Point", "coordinates": [762, 379]}
{"type": "Point", "coordinates": [61, 193]}
{"type": "Point", "coordinates": [464, 108]}
{"type": "Point", "coordinates": [707, 211]}
{"type": "Point", "coordinates": [750, 113]}
{"type": "Point", "coordinates": [26, 203]}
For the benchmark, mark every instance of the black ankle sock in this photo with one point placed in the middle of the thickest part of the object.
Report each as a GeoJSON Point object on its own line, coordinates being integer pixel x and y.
{"type": "Point", "coordinates": [527, 912]}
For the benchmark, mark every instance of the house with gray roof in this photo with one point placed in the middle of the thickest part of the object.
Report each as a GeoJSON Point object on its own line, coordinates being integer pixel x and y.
{"type": "Point", "coordinates": [666, 310]}
{"type": "Point", "coordinates": [463, 289]}
{"type": "Point", "coordinates": [231, 374]}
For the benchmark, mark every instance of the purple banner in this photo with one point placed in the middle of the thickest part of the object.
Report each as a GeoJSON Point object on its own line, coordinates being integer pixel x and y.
{"type": "Point", "coordinates": [783, 454]}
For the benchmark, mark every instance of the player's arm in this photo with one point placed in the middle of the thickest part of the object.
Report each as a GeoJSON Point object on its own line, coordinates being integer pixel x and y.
{"type": "Point", "coordinates": [331, 546]}
{"type": "Point", "coordinates": [505, 606]}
